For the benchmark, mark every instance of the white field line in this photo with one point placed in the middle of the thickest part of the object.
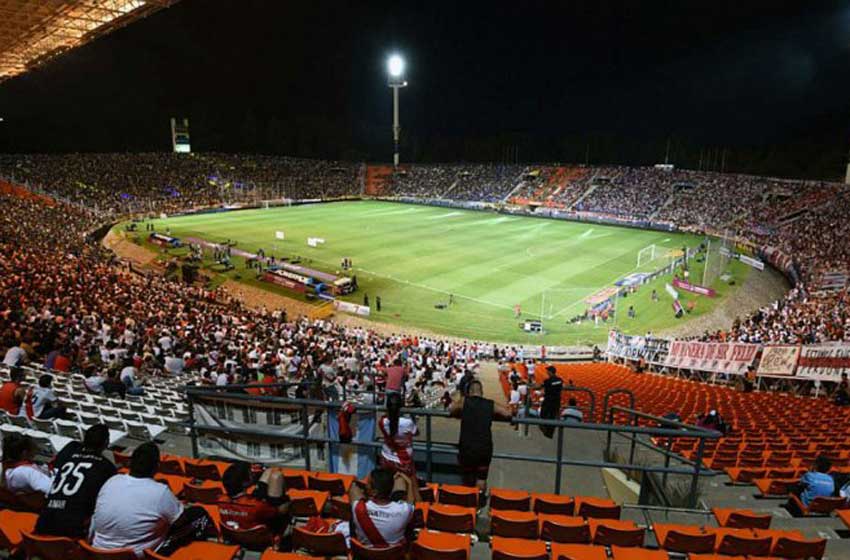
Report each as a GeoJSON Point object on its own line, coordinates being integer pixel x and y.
{"type": "Point", "coordinates": [444, 216]}
{"type": "Point", "coordinates": [422, 286]}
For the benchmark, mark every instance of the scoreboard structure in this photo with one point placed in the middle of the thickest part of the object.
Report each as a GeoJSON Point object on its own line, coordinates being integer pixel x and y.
{"type": "Point", "coordinates": [180, 136]}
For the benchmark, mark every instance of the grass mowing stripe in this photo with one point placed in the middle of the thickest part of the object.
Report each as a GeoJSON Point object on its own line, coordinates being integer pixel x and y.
{"type": "Point", "coordinates": [414, 256]}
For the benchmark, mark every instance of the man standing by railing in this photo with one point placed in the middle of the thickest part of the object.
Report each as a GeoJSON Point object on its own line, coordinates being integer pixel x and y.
{"type": "Point", "coordinates": [550, 408]}
{"type": "Point", "coordinates": [475, 447]}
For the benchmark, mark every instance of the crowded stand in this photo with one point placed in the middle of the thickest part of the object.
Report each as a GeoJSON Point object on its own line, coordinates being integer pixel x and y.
{"type": "Point", "coordinates": [107, 349]}
{"type": "Point", "coordinates": [634, 193]}
{"type": "Point", "coordinates": [485, 183]}
{"type": "Point", "coordinates": [115, 184]}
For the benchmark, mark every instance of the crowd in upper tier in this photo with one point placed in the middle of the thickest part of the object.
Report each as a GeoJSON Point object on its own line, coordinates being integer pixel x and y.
{"type": "Point", "coordinates": [487, 183]}
{"type": "Point", "coordinates": [120, 183]}
{"type": "Point", "coordinates": [803, 222]}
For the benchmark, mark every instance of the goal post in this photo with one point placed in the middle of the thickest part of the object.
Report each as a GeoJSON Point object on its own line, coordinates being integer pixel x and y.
{"type": "Point", "coordinates": [646, 255]}
{"type": "Point", "coordinates": [718, 254]}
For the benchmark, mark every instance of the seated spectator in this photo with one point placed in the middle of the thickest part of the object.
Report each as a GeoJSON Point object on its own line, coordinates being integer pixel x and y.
{"type": "Point", "coordinates": [128, 377]}
{"type": "Point", "coordinates": [80, 472]}
{"type": "Point", "coordinates": [377, 519]}
{"type": "Point", "coordinates": [15, 355]}
{"type": "Point", "coordinates": [41, 401]}
{"type": "Point", "coordinates": [21, 475]}
{"type": "Point", "coordinates": [712, 421]}
{"type": "Point", "coordinates": [572, 413]}
{"type": "Point", "coordinates": [815, 483]}
{"type": "Point", "coordinates": [267, 505]}
{"type": "Point", "coordinates": [13, 392]}
{"type": "Point", "coordinates": [133, 510]}
{"type": "Point", "coordinates": [94, 381]}
{"type": "Point", "coordinates": [113, 386]}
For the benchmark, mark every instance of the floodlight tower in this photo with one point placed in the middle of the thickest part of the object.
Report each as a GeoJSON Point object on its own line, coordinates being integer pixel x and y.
{"type": "Point", "coordinates": [395, 69]}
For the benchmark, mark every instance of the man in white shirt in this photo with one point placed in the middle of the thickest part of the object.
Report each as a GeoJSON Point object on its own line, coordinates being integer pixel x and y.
{"type": "Point", "coordinates": [378, 520]}
{"type": "Point", "coordinates": [42, 401]}
{"type": "Point", "coordinates": [173, 364]}
{"type": "Point", "coordinates": [94, 383]}
{"type": "Point", "coordinates": [133, 510]}
{"type": "Point", "coordinates": [128, 378]}
{"type": "Point", "coordinates": [15, 356]}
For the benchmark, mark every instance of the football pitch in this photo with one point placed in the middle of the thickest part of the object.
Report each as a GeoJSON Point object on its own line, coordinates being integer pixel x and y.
{"type": "Point", "coordinates": [417, 257]}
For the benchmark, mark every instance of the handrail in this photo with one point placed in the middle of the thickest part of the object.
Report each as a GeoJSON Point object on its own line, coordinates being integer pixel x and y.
{"type": "Point", "coordinates": [613, 392]}
{"type": "Point", "coordinates": [429, 446]}
{"type": "Point", "coordinates": [584, 390]}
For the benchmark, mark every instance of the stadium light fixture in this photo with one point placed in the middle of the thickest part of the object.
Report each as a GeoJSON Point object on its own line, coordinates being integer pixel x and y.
{"type": "Point", "coordinates": [395, 66]}
{"type": "Point", "coordinates": [395, 69]}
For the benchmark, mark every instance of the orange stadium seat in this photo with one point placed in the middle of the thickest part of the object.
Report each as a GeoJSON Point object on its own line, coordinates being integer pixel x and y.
{"type": "Point", "coordinates": [201, 494]}
{"type": "Point", "coordinates": [334, 484]}
{"type": "Point", "coordinates": [92, 553]}
{"type": "Point", "coordinates": [741, 518]}
{"type": "Point", "coordinates": [202, 471]}
{"type": "Point", "coordinates": [359, 551]}
{"type": "Point", "coordinates": [821, 506]}
{"type": "Point", "coordinates": [684, 538]}
{"type": "Point", "coordinates": [463, 496]}
{"type": "Point", "coordinates": [319, 544]}
{"type": "Point", "coordinates": [611, 532]}
{"type": "Point", "coordinates": [792, 548]}
{"type": "Point", "coordinates": [256, 538]}
{"type": "Point", "coordinates": [513, 524]}
{"type": "Point", "coordinates": [743, 543]}
{"type": "Point", "coordinates": [561, 551]}
{"type": "Point", "coordinates": [553, 504]}
{"type": "Point", "coordinates": [294, 479]}
{"type": "Point", "coordinates": [274, 555]}
{"type": "Point", "coordinates": [503, 500]}
{"type": "Point", "coordinates": [435, 545]}
{"type": "Point", "coordinates": [518, 549]}
{"type": "Point", "coordinates": [198, 551]}
{"type": "Point", "coordinates": [597, 508]}
{"type": "Point", "coordinates": [564, 529]}
{"type": "Point", "coordinates": [50, 548]}
{"type": "Point", "coordinates": [12, 525]}
{"type": "Point", "coordinates": [451, 518]}
{"type": "Point", "coordinates": [307, 503]}
{"type": "Point", "coordinates": [631, 553]}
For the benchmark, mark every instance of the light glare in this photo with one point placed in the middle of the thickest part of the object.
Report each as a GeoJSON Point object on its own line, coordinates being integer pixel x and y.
{"type": "Point", "coordinates": [396, 66]}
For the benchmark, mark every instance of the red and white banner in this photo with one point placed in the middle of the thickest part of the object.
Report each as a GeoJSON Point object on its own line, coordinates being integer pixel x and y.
{"type": "Point", "coordinates": [779, 360]}
{"type": "Point", "coordinates": [826, 362]}
{"type": "Point", "coordinates": [695, 288]}
{"type": "Point", "coordinates": [718, 357]}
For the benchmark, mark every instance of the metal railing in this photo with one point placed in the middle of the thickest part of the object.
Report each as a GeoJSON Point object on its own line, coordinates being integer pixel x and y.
{"type": "Point", "coordinates": [305, 408]}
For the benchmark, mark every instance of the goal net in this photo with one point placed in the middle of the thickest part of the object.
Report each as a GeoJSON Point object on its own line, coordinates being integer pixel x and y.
{"type": "Point", "coordinates": [646, 255]}
{"type": "Point", "coordinates": [718, 253]}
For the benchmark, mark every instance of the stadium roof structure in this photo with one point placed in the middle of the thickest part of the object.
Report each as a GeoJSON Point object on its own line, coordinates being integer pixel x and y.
{"type": "Point", "coordinates": [35, 31]}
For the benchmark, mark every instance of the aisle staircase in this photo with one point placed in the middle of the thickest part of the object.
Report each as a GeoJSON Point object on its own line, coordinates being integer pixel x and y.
{"type": "Point", "coordinates": [664, 205]}
{"type": "Point", "coordinates": [584, 195]}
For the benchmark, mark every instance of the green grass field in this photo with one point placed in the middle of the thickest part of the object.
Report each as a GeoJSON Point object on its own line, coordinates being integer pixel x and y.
{"type": "Point", "coordinates": [414, 256]}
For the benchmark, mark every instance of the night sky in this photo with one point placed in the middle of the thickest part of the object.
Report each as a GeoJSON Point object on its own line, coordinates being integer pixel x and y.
{"type": "Point", "coordinates": [766, 84]}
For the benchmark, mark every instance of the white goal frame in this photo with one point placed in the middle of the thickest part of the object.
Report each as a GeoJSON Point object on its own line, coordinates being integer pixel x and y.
{"type": "Point", "coordinates": [650, 249]}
